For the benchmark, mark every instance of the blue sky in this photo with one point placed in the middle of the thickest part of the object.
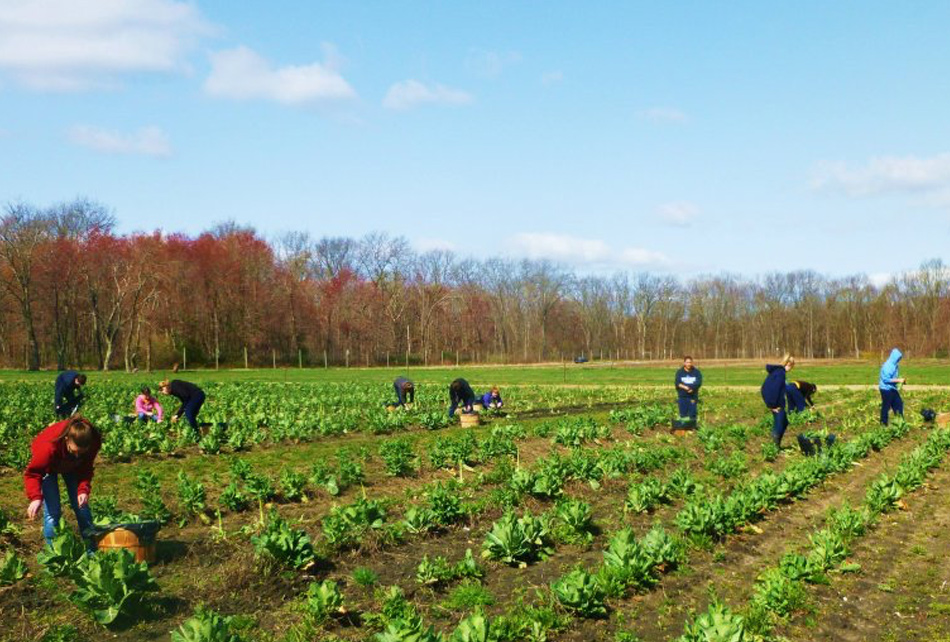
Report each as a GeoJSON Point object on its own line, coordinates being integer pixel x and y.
{"type": "Point", "coordinates": [680, 137]}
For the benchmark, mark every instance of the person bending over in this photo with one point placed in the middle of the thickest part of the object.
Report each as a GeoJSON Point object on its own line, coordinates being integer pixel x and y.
{"type": "Point", "coordinates": [191, 397]}
{"type": "Point", "coordinates": [460, 394]}
{"type": "Point", "coordinates": [773, 394]}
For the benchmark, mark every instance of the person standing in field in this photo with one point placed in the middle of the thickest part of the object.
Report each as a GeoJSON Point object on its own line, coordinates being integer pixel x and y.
{"type": "Point", "coordinates": [147, 406]}
{"type": "Point", "coordinates": [68, 396]}
{"type": "Point", "coordinates": [688, 382]}
{"type": "Point", "coordinates": [191, 397]}
{"type": "Point", "coordinates": [66, 448]}
{"type": "Point", "coordinates": [888, 384]}
{"type": "Point", "coordinates": [773, 394]}
{"type": "Point", "coordinates": [405, 391]}
{"type": "Point", "coordinates": [460, 394]}
{"type": "Point", "coordinates": [491, 400]}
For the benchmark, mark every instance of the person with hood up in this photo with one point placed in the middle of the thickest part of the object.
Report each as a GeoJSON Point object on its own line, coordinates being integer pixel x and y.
{"type": "Point", "coordinates": [773, 394]}
{"type": "Point", "coordinates": [405, 391]}
{"type": "Point", "coordinates": [460, 394]}
{"type": "Point", "coordinates": [688, 381]}
{"type": "Point", "coordinates": [890, 379]}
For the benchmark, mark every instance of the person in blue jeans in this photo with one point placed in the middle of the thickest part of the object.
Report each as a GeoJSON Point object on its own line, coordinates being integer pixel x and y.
{"type": "Point", "coordinates": [688, 382]}
{"type": "Point", "coordinates": [773, 394]}
{"type": "Point", "coordinates": [191, 396]}
{"type": "Point", "coordinates": [64, 449]}
{"type": "Point", "coordinates": [461, 396]}
{"type": "Point", "coordinates": [799, 395]}
{"type": "Point", "coordinates": [888, 384]}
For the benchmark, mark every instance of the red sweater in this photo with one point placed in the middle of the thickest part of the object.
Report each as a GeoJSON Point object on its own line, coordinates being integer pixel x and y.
{"type": "Point", "coordinates": [50, 456]}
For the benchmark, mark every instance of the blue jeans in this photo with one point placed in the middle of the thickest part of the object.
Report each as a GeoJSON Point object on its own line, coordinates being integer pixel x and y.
{"type": "Point", "coordinates": [796, 400]}
{"type": "Point", "coordinates": [53, 510]}
{"type": "Point", "coordinates": [891, 400]}
{"type": "Point", "coordinates": [144, 418]}
{"type": "Point", "coordinates": [687, 406]}
{"type": "Point", "coordinates": [191, 410]}
{"type": "Point", "coordinates": [779, 424]}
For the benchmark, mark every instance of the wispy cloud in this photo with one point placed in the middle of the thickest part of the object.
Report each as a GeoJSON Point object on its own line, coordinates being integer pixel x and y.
{"type": "Point", "coordinates": [242, 74]}
{"type": "Point", "coordinates": [679, 213]}
{"type": "Point", "coordinates": [430, 244]}
{"type": "Point", "coordinates": [549, 78]}
{"type": "Point", "coordinates": [884, 174]}
{"type": "Point", "coordinates": [663, 115]}
{"type": "Point", "coordinates": [582, 252]}
{"type": "Point", "coordinates": [490, 64]}
{"type": "Point", "coordinates": [148, 141]}
{"type": "Point", "coordinates": [412, 93]}
{"type": "Point", "coordinates": [64, 45]}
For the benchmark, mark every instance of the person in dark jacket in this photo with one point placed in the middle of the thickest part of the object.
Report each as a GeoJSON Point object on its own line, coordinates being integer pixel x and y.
{"type": "Point", "coordinates": [799, 394]}
{"type": "Point", "coordinates": [460, 394]}
{"type": "Point", "coordinates": [688, 381]}
{"type": "Point", "coordinates": [68, 396]}
{"type": "Point", "coordinates": [191, 397]}
{"type": "Point", "coordinates": [492, 399]}
{"type": "Point", "coordinates": [405, 391]}
{"type": "Point", "coordinates": [773, 394]}
{"type": "Point", "coordinates": [67, 448]}
{"type": "Point", "coordinates": [888, 384]}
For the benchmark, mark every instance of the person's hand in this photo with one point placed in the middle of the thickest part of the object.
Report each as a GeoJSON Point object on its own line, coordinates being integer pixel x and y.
{"type": "Point", "coordinates": [82, 499]}
{"type": "Point", "coordinates": [689, 390]}
{"type": "Point", "coordinates": [775, 410]}
{"type": "Point", "coordinates": [902, 381]}
{"type": "Point", "coordinates": [33, 508]}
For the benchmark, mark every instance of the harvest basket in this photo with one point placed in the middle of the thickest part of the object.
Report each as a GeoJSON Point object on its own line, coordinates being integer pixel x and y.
{"type": "Point", "coordinates": [943, 419]}
{"type": "Point", "coordinates": [138, 538]}
{"type": "Point", "coordinates": [469, 420]}
{"type": "Point", "coordinates": [478, 407]}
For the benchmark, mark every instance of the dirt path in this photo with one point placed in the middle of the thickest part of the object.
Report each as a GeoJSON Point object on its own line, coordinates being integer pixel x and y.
{"type": "Point", "coordinates": [903, 589]}
{"type": "Point", "coordinates": [730, 567]}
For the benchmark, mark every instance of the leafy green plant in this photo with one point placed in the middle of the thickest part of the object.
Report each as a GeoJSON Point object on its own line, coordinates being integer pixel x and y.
{"type": "Point", "coordinates": [289, 547]}
{"type": "Point", "coordinates": [292, 485]}
{"type": "Point", "coordinates": [233, 498]}
{"type": "Point", "coordinates": [112, 584]}
{"type": "Point", "coordinates": [778, 594]}
{"type": "Point", "coordinates": [467, 595]}
{"type": "Point", "coordinates": [445, 503]}
{"type": "Point", "coordinates": [205, 626]}
{"type": "Point", "coordinates": [191, 497]}
{"type": "Point", "coordinates": [398, 457]}
{"type": "Point", "coordinates": [628, 561]}
{"type": "Point", "coordinates": [150, 494]}
{"type": "Point", "coordinates": [580, 593]}
{"type": "Point", "coordinates": [323, 600]}
{"type": "Point", "coordinates": [345, 526]}
{"type": "Point", "coordinates": [62, 555]}
{"type": "Point", "coordinates": [475, 627]}
{"type": "Point", "coordinates": [365, 576]}
{"type": "Point", "coordinates": [517, 541]}
{"type": "Point", "coordinates": [574, 521]}
{"type": "Point", "coordinates": [419, 520]}
{"type": "Point", "coordinates": [12, 569]}
{"type": "Point", "coordinates": [717, 624]}
{"type": "Point", "coordinates": [643, 496]}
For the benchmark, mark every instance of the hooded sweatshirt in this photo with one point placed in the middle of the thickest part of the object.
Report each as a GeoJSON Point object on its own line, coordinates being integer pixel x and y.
{"type": "Point", "coordinates": [49, 455]}
{"type": "Point", "coordinates": [693, 379]}
{"type": "Point", "coordinates": [773, 390]}
{"type": "Point", "coordinates": [889, 370]}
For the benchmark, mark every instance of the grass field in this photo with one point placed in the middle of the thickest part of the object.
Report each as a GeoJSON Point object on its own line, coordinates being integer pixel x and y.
{"type": "Point", "coordinates": [434, 493]}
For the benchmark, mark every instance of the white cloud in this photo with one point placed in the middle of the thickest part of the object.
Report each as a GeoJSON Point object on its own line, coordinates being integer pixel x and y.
{"type": "Point", "coordinates": [148, 141]}
{"type": "Point", "coordinates": [578, 251]}
{"type": "Point", "coordinates": [551, 78]}
{"type": "Point", "coordinates": [664, 115]}
{"type": "Point", "coordinates": [69, 45]}
{"type": "Point", "coordinates": [679, 214]}
{"type": "Point", "coordinates": [880, 279]}
{"type": "Point", "coordinates": [242, 74]}
{"type": "Point", "coordinates": [412, 93]}
{"type": "Point", "coordinates": [883, 174]}
{"type": "Point", "coordinates": [490, 64]}
{"type": "Point", "coordinates": [430, 244]}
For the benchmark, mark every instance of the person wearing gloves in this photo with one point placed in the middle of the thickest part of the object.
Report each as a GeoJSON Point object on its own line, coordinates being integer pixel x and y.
{"type": "Point", "coordinates": [66, 448]}
{"type": "Point", "coordinates": [68, 396]}
{"type": "Point", "coordinates": [191, 397]}
{"type": "Point", "coordinates": [491, 400]}
{"type": "Point", "coordinates": [460, 394]}
{"type": "Point", "coordinates": [688, 381]}
{"type": "Point", "coordinates": [405, 391]}
{"type": "Point", "coordinates": [799, 394]}
{"type": "Point", "coordinates": [773, 394]}
{"type": "Point", "coordinates": [888, 384]}
{"type": "Point", "coordinates": [147, 406]}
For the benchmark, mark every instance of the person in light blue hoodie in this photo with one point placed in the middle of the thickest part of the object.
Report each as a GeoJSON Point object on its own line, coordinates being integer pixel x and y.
{"type": "Point", "coordinates": [890, 379]}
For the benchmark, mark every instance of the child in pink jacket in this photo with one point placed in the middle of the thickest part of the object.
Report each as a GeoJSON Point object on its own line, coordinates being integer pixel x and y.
{"type": "Point", "coordinates": [147, 406]}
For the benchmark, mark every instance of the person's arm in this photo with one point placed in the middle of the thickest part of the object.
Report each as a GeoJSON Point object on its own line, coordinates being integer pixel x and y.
{"type": "Point", "coordinates": [157, 409]}
{"type": "Point", "coordinates": [140, 405]}
{"type": "Point", "coordinates": [42, 456]}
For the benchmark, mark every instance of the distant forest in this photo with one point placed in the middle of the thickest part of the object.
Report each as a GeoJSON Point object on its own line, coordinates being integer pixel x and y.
{"type": "Point", "coordinates": [74, 293]}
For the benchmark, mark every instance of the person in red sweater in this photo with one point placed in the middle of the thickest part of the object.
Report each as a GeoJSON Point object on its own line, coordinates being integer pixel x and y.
{"type": "Point", "coordinates": [66, 448]}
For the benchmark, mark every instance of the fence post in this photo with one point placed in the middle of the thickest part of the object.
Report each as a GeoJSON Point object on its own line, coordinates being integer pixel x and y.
{"type": "Point", "coordinates": [245, 357]}
{"type": "Point", "coordinates": [300, 357]}
{"type": "Point", "coordinates": [273, 354]}
{"type": "Point", "coordinates": [184, 358]}
{"type": "Point", "coordinates": [347, 357]}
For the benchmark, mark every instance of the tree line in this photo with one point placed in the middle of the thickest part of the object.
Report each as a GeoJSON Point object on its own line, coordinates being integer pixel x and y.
{"type": "Point", "coordinates": [75, 293]}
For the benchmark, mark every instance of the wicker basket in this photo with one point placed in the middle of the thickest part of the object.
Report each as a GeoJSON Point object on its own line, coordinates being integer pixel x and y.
{"type": "Point", "coordinates": [469, 420]}
{"type": "Point", "coordinates": [122, 538]}
{"type": "Point", "coordinates": [943, 419]}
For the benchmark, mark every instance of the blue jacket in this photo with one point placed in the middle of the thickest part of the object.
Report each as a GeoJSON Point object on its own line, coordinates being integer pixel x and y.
{"type": "Point", "coordinates": [487, 399]}
{"type": "Point", "coordinates": [464, 398]}
{"type": "Point", "coordinates": [890, 370]}
{"type": "Point", "coordinates": [401, 396]}
{"type": "Point", "coordinates": [693, 379]}
{"type": "Point", "coordinates": [773, 389]}
{"type": "Point", "coordinates": [67, 392]}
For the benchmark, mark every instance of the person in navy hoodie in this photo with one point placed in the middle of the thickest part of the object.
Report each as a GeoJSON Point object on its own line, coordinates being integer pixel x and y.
{"type": "Point", "coordinates": [460, 394]}
{"type": "Point", "coordinates": [889, 380]}
{"type": "Point", "coordinates": [773, 394]}
{"type": "Point", "coordinates": [68, 397]}
{"type": "Point", "coordinates": [688, 382]}
{"type": "Point", "coordinates": [405, 391]}
{"type": "Point", "coordinates": [799, 394]}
